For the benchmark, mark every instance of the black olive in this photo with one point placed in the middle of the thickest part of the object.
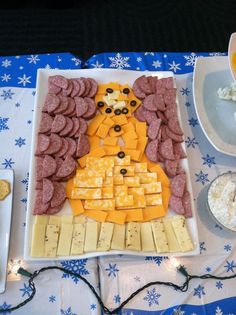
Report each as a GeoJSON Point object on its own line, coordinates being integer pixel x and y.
{"type": "Point", "coordinates": [117, 111]}
{"type": "Point", "coordinates": [108, 110]}
{"type": "Point", "coordinates": [125, 110]}
{"type": "Point", "coordinates": [109, 90]}
{"type": "Point", "coordinates": [123, 171]}
{"type": "Point", "coordinates": [133, 103]}
{"type": "Point", "coordinates": [117, 128]}
{"type": "Point", "coordinates": [126, 91]}
{"type": "Point", "coordinates": [121, 154]}
{"type": "Point", "coordinates": [100, 104]}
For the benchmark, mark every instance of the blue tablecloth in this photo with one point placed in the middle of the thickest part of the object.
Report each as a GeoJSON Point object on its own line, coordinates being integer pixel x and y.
{"type": "Point", "coordinates": [117, 276]}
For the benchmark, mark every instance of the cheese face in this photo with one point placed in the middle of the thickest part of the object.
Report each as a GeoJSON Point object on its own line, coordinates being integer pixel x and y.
{"type": "Point", "coordinates": [181, 233]}
{"type": "Point", "coordinates": [37, 243]}
{"type": "Point", "coordinates": [51, 240]}
{"type": "Point", "coordinates": [160, 238]}
{"type": "Point", "coordinates": [104, 204]}
{"type": "Point", "coordinates": [152, 188]}
{"type": "Point", "coordinates": [147, 237]}
{"type": "Point", "coordinates": [133, 239]}
{"type": "Point", "coordinates": [78, 237]}
{"type": "Point", "coordinates": [86, 193]}
{"type": "Point", "coordinates": [118, 239]}
{"type": "Point", "coordinates": [65, 238]}
{"type": "Point", "coordinates": [104, 241]}
{"type": "Point", "coordinates": [91, 237]}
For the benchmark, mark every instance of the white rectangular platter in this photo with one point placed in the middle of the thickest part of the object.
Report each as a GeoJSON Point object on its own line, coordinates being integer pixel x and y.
{"type": "Point", "coordinates": [101, 76]}
{"type": "Point", "coordinates": [5, 226]}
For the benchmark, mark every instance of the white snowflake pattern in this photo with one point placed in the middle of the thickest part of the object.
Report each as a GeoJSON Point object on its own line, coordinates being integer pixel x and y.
{"type": "Point", "coordinates": [47, 66]}
{"type": "Point", "coordinates": [139, 59]}
{"type": "Point", "coordinates": [67, 311]}
{"type": "Point", "coordinates": [33, 59]}
{"type": "Point", "coordinates": [6, 77]}
{"type": "Point", "coordinates": [152, 297]}
{"type": "Point", "coordinates": [24, 80]}
{"type": "Point", "coordinates": [119, 61]}
{"type": "Point", "coordinates": [178, 311]}
{"type": "Point", "coordinates": [156, 64]}
{"type": "Point", "coordinates": [6, 63]}
{"type": "Point", "coordinates": [174, 66]}
{"type": "Point", "coordinates": [217, 54]}
{"type": "Point", "coordinates": [97, 64]}
{"type": "Point", "coordinates": [77, 61]}
{"type": "Point", "coordinates": [218, 311]}
{"type": "Point", "coordinates": [151, 53]}
{"type": "Point", "coordinates": [191, 59]}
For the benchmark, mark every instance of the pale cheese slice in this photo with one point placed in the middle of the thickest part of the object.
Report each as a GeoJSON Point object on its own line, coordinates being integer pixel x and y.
{"type": "Point", "coordinates": [133, 238]}
{"type": "Point", "coordinates": [170, 234]}
{"type": "Point", "coordinates": [160, 238]}
{"type": "Point", "coordinates": [124, 201]}
{"type": "Point", "coordinates": [67, 219]}
{"type": "Point", "coordinates": [51, 240]}
{"type": "Point", "coordinates": [152, 188]}
{"type": "Point", "coordinates": [104, 241]}
{"type": "Point", "coordinates": [147, 237]}
{"type": "Point", "coordinates": [118, 238]}
{"type": "Point", "coordinates": [78, 237]}
{"type": "Point", "coordinates": [132, 181]}
{"type": "Point", "coordinates": [38, 238]}
{"type": "Point", "coordinates": [181, 231]}
{"type": "Point", "coordinates": [41, 219]}
{"type": "Point", "coordinates": [91, 236]}
{"type": "Point", "coordinates": [80, 219]}
{"type": "Point", "coordinates": [54, 220]}
{"type": "Point", "coordinates": [64, 244]}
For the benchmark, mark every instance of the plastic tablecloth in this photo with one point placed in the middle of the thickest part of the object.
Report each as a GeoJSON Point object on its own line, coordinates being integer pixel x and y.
{"type": "Point", "coordinates": [115, 277]}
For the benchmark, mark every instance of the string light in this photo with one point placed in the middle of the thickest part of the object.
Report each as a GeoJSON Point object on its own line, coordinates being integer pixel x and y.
{"type": "Point", "coordinates": [181, 288]}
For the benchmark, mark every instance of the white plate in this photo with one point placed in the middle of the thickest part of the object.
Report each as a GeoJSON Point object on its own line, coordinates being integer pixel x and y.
{"type": "Point", "coordinates": [101, 76]}
{"type": "Point", "coordinates": [216, 116]}
{"type": "Point", "coordinates": [5, 227]}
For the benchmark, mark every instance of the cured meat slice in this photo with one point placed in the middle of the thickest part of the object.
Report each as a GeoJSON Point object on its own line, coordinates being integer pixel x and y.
{"type": "Point", "coordinates": [48, 190]}
{"type": "Point", "coordinates": [39, 168]}
{"type": "Point", "coordinates": [63, 150]}
{"type": "Point", "coordinates": [174, 126]}
{"type": "Point", "coordinates": [82, 86]}
{"type": "Point", "coordinates": [139, 114]}
{"type": "Point", "coordinates": [59, 162]}
{"type": "Point", "coordinates": [148, 115]}
{"type": "Point", "coordinates": [93, 88]}
{"type": "Point", "coordinates": [70, 108]}
{"type": "Point", "coordinates": [143, 84]}
{"type": "Point", "coordinates": [43, 143]}
{"type": "Point", "coordinates": [59, 80]}
{"type": "Point", "coordinates": [54, 210]}
{"type": "Point", "coordinates": [169, 83]}
{"type": "Point", "coordinates": [67, 92]}
{"type": "Point", "coordinates": [151, 150]}
{"type": "Point", "coordinates": [75, 128]}
{"type": "Point", "coordinates": [159, 102]}
{"type": "Point", "coordinates": [39, 185]}
{"type": "Point", "coordinates": [55, 144]}
{"type": "Point", "coordinates": [39, 206]}
{"type": "Point", "coordinates": [153, 129]}
{"type": "Point", "coordinates": [164, 136]}
{"type": "Point", "coordinates": [170, 96]}
{"type": "Point", "coordinates": [178, 184]}
{"type": "Point", "coordinates": [179, 151]}
{"type": "Point", "coordinates": [162, 117]}
{"type": "Point", "coordinates": [51, 103]}
{"type": "Point", "coordinates": [82, 128]}
{"type": "Point", "coordinates": [176, 204]}
{"type": "Point", "coordinates": [186, 200]}
{"type": "Point", "coordinates": [152, 83]}
{"type": "Point", "coordinates": [68, 166]}
{"type": "Point", "coordinates": [174, 136]}
{"type": "Point", "coordinates": [166, 149]}
{"type": "Point", "coordinates": [81, 106]}
{"type": "Point", "coordinates": [138, 92]}
{"type": "Point", "coordinates": [68, 127]}
{"type": "Point", "coordinates": [53, 89]}
{"type": "Point", "coordinates": [171, 167]}
{"type": "Point", "coordinates": [59, 195]}
{"type": "Point", "coordinates": [171, 111]}
{"type": "Point", "coordinates": [87, 86]}
{"type": "Point", "coordinates": [45, 123]}
{"type": "Point", "coordinates": [92, 109]}
{"type": "Point", "coordinates": [63, 105]}
{"type": "Point", "coordinates": [49, 166]}
{"type": "Point", "coordinates": [149, 103]}
{"type": "Point", "coordinates": [58, 124]}
{"type": "Point", "coordinates": [76, 87]}
{"type": "Point", "coordinates": [71, 147]}
{"type": "Point", "coordinates": [160, 88]}
{"type": "Point", "coordinates": [83, 146]}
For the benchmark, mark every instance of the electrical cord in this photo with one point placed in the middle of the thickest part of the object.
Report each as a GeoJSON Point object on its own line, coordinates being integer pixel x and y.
{"type": "Point", "coordinates": [181, 288]}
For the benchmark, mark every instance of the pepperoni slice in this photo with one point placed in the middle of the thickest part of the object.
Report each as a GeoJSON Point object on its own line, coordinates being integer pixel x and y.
{"type": "Point", "coordinates": [93, 88]}
{"type": "Point", "coordinates": [55, 144]}
{"type": "Point", "coordinates": [59, 195]}
{"type": "Point", "coordinates": [174, 126]}
{"type": "Point", "coordinates": [59, 80]}
{"type": "Point", "coordinates": [45, 123]}
{"type": "Point", "coordinates": [68, 128]}
{"type": "Point", "coordinates": [68, 166]}
{"type": "Point", "coordinates": [153, 129]}
{"type": "Point", "coordinates": [83, 145]}
{"type": "Point", "coordinates": [58, 124]}
{"type": "Point", "coordinates": [49, 166]}
{"type": "Point", "coordinates": [166, 149]}
{"type": "Point", "coordinates": [48, 190]}
{"type": "Point", "coordinates": [176, 205]}
{"type": "Point", "coordinates": [51, 103]}
{"type": "Point", "coordinates": [81, 106]}
{"type": "Point", "coordinates": [178, 184]}
{"type": "Point", "coordinates": [151, 150]}
{"type": "Point", "coordinates": [92, 109]}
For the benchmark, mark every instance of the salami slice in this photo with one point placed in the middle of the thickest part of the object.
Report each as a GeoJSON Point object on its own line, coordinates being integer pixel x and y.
{"type": "Point", "coordinates": [174, 136]}
{"type": "Point", "coordinates": [91, 112]}
{"type": "Point", "coordinates": [51, 211]}
{"type": "Point", "coordinates": [59, 163]}
{"type": "Point", "coordinates": [70, 108]}
{"type": "Point", "coordinates": [43, 143]}
{"type": "Point", "coordinates": [176, 205]}
{"type": "Point", "coordinates": [164, 135]}
{"type": "Point", "coordinates": [55, 144]}
{"type": "Point", "coordinates": [63, 105]}
{"type": "Point", "coordinates": [148, 115]}
{"type": "Point", "coordinates": [144, 85]}
{"type": "Point", "coordinates": [160, 88]}
{"type": "Point", "coordinates": [48, 190]}
{"type": "Point", "coordinates": [83, 146]}
{"type": "Point", "coordinates": [68, 128]}
{"type": "Point", "coordinates": [153, 129]}
{"type": "Point", "coordinates": [159, 102]}
{"type": "Point", "coordinates": [171, 167]}
{"type": "Point", "coordinates": [82, 128]}
{"type": "Point", "coordinates": [170, 96]}
{"type": "Point", "coordinates": [152, 83]}
{"type": "Point", "coordinates": [59, 195]}
{"type": "Point", "coordinates": [76, 87]}
{"type": "Point", "coordinates": [75, 128]}
{"type": "Point", "coordinates": [174, 126]}
{"type": "Point", "coordinates": [63, 150]}
{"type": "Point", "coordinates": [148, 103]}
{"type": "Point", "coordinates": [45, 123]}
{"type": "Point", "coordinates": [171, 111]}
{"type": "Point", "coordinates": [58, 124]}
{"type": "Point", "coordinates": [82, 86]}
{"type": "Point", "coordinates": [39, 168]}
{"type": "Point", "coordinates": [87, 86]}
{"type": "Point", "coordinates": [139, 114]}
{"type": "Point", "coordinates": [179, 151]}
{"type": "Point", "coordinates": [93, 88]}
{"type": "Point", "coordinates": [71, 147]}
{"type": "Point", "coordinates": [151, 150]}
{"type": "Point", "coordinates": [169, 84]}
{"type": "Point", "coordinates": [51, 103]}
{"type": "Point", "coordinates": [53, 89]}
{"type": "Point", "coordinates": [49, 166]}
{"type": "Point", "coordinates": [162, 117]}
{"type": "Point", "coordinates": [59, 80]}
{"type": "Point", "coordinates": [67, 92]}
{"type": "Point", "coordinates": [81, 106]}
{"type": "Point", "coordinates": [68, 166]}
{"type": "Point", "coordinates": [186, 200]}
{"type": "Point", "coordinates": [178, 184]}
{"type": "Point", "coordinates": [166, 149]}
{"type": "Point", "coordinates": [39, 206]}
{"type": "Point", "coordinates": [39, 185]}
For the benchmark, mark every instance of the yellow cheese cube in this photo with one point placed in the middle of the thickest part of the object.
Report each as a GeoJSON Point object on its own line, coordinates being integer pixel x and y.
{"type": "Point", "coordinates": [118, 179]}
{"type": "Point", "coordinates": [102, 131]}
{"type": "Point", "coordinates": [110, 141]}
{"type": "Point", "coordinates": [124, 201]}
{"type": "Point", "coordinates": [120, 119]}
{"type": "Point", "coordinates": [81, 181]}
{"type": "Point", "coordinates": [152, 188]}
{"type": "Point", "coordinates": [140, 167]}
{"type": "Point", "coordinates": [128, 127]}
{"type": "Point", "coordinates": [142, 142]}
{"type": "Point", "coordinates": [146, 178]}
{"type": "Point", "coordinates": [128, 168]}
{"type": "Point", "coordinates": [130, 135]}
{"type": "Point", "coordinates": [134, 154]}
{"type": "Point", "coordinates": [131, 143]}
{"type": "Point", "coordinates": [98, 152]}
{"type": "Point", "coordinates": [141, 128]}
{"type": "Point", "coordinates": [153, 199]}
{"type": "Point", "coordinates": [133, 215]}
{"type": "Point", "coordinates": [109, 122]}
{"type": "Point", "coordinates": [96, 215]}
{"type": "Point", "coordinates": [111, 150]}
{"type": "Point", "coordinates": [104, 204]}
{"type": "Point", "coordinates": [107, 192]}
{"type": "Point", "coordinates": [121, 190]}
{"type": "Point", "coordinates": [94, 142]}
{"type": "Point", "coordinates": [132, 181]}
{"type": "Point", "coordinates": [86, 193]}
{"type": "Point", "coordinates": [116, 217]}
{"type": "Point", "coordinates": [108, 181]}
{"type": "Point", "coordinates": [113, 133]}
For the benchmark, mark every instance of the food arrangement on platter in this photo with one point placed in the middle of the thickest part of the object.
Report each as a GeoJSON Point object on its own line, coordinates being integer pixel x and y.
{"type": "Point", "coordinates": [111, 153]}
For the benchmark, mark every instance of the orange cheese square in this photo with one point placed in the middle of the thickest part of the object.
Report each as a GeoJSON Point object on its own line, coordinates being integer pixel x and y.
{"type": "Point", "coordinates": [154, 212]}
{"type": "Point", "coordinates": [113, 133]}
{"type": "Point", "coordinates": [133, 215]}
{"type": "Point", "coordinates": [120, 119]}
{"type": "Point", "coordinates": [94, 142]}
{"type": "Point", "coordinates": [97, 215]}
{"type": "Point", "coordinates": [107, 192]}
{"type": "Point", "coordinates": [142, 142]}
{"type": "Point", "coordinates": [161, 175]}
{"type": "Point", "coordinates": [102, 131]}
{"type": "Point", "coordinates": [134, 154]}
{"type": "Point", "coordinates": [131, 143]}
{"type": "Point", "coordinates": [130, 135]}
{"type": "Point", "coordinates": [76, 206]}
{"type": "Point", "coordinates": [111, 150]}
{"type": "Point", "coordinates": [128, 127]}
{"type": "Point", "coordinates": [166, 193]}
{"type": "Point", "coordinates": [109, 122]}
{"type": "Point", "coordinates": [110, 141]}
{"type": "Point", "coordinates": [98, 152]}
{"type": "Point", "coordinates": [94, 124]}
{"type": "Point", "coordinates": [141, 128]}
{"type": "Point", "coordinates": [116, 216]}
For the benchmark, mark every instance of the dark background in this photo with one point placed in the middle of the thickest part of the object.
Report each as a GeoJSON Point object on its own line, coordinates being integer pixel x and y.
{"type": "Point", "coordinates": [88, 27]}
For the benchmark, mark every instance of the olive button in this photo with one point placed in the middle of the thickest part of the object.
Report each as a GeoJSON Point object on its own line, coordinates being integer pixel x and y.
{"type": "Point", "coordinates": [100, 104]}
{"type": "Point", "coordinates": [125, 110]}
{"type": "Point", "coordinates": [108, 110]}
{"type": "Point", "coordinates": [123, 171]}
{"type": "Point", "coordinates": [117, 128]}
{"type": "Point", "coordinates": [121, 154]}
{"type": "Point", "coordinates": [126, 91]}
{"type": "Point", "coordinates": [133, 103]}
{"type": "Point", "coordinates": [117, 111]}
{"type": "Point", "coordinates": [109, 90]}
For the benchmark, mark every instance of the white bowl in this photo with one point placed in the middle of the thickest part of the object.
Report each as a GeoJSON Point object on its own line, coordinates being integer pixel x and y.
{"type": "Point", "coordinates": [231, 51]}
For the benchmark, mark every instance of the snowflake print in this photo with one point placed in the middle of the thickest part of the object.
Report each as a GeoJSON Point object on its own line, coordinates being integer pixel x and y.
{"type": "Point", "coordinates": [199, 291]}
{"type": "Point", "coordinates": [202, 247]}
{"type": "Point", "coordinates": [77, 61]}
{"type": "Point", "coordinates": [208, 160]}
{"type": "Point", "coordinates": [17, 104]}
{"type": "Point", "coordinates": [6, 308]}
{"type": "Point", "coordinates": [93, 306]}
{"type": "Point", "coordinates": [26, 182]}
{"type": "Point", "coordinates": [27, 290]}
{"type": "Point", "coordinates": [24, 80]}
{"type": "Point", "coordinates": [139, 59]}
{"type": "Point", "coordinates": [230, 266]}
{"type": "Point", "coordinates": [191, 142]}
{"type": "Point", "coordinates": [47, 66]}
{"type": "Point", "coordinates": [136, 278]}
{"type": "Point", "coordinates": [67, 312]}
{"type": "Point", "coordinates": [116, 299]}
{"type": "Point", "coordinates": [59, 59]}
{"type": "Point", "coordinates": [156, 64]}
{"type": "Point", "coordinates": [193, 122]}
{"type": "Point", "coordinates": [185, 91]}
{"type": "Point", "coordinates": [218, 311]}
{"type": "Point", "coordinates": [19, 142]}
{"type": "Point", "coordinates": [119, 62]}
{"type": "Point", "coordinates": [78, 266]}
{"type": "Point", "coordinates": [21, 67]}
{"type": "Point", "coordinates": [33, 59]}
{"type": "Point", "coordinates": [6, 77]}
{"type": "Point", "coordinates": [227, 247]}
{"type": "Point", "coordinates": [6, 63]}
{"type": "Point", "coordinates": [7, 94]}
{"type": "Point", "coordinates": [152, 297]}
{"type": "Point", "coordinates": [158, 260]}
{"type": "Point", "coordinates": [29, 122]}
{"type": "Point", "coordinates": [3, 124]}
{"type": "Point", "coordinates": [149, 53]}
{"type": "Point", "coordinates": [112, 270]}
{"type": "Point", "coordinates": [24, 200]}
{"type": "Point", "coordinates": [178, 311]}
{"type": "Point", "coordinates": [208, 269]}
{"type": "Point", "coordinates": [52, 298]}
{"type": "Point", "coordinates": [8, 163]}
{"type": "Point", "coordinates": [174, 66]}
{"type": "Point", "coordinates": [97, 64]}
{"type": "Point", "coordinates": [191, 59]}
{"type": "Point", "coordinates": [219, 285]}
{"type": "Point", "coordinates": [187, 104]}
{"type": "Point", "coordinates": [202, 178]}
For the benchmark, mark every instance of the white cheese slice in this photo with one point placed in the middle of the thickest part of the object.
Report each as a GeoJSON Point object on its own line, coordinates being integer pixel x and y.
{"type": "Point", "coordinates": [54, 219]}
{"type": "Point", "coordinates": [170, 234]}
{"type": "Point", "coordinates": [133, 239]}
{"type": "Point", "coordinates": [160, 238]}
{"type": "Point", "coordinates": [180, 228]}
{"type": "Point", "coordinates": [118, 238]}
{"type": "Point", "coordinates": [147, 237]}
{"type": "Point", "coordinates": [104, 241]}
{"type": "Point", "coordinates": [64, 244]}
{"type": "Point", "coordinates": [91, 236]}
{"type": "Point", "coordinates": [78, 237]}
{"type": "Point", "coordinates": [38, 238]}
{"type": "Point", "coordinates": [119, 105]}
{"type": "Point", "coordinates": [67, 219]}
{"type": "Point", "coordinates": [41, 219]}
{"type": "Point", "coordinates": [51, 240]}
